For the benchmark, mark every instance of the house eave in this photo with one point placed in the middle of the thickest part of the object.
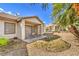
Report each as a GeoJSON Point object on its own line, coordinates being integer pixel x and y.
{"type": "Point", "coordinates": [5, 15]}
{"type": "Point", "coordinates": [31, 17]}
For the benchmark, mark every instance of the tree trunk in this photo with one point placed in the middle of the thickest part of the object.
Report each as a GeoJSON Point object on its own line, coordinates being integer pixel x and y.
{"type": "Point", "coordinates": [74, 31]}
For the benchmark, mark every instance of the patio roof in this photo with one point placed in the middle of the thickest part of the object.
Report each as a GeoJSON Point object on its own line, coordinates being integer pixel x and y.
{"type": "Point", "coordinates": [35, 17]}
{"type": "Point", "coordinates": [31, 23]}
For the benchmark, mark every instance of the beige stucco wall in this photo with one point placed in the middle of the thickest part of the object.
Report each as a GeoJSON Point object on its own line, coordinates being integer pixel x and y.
{"type": "Point", "coordinates": [20, 28]}
{"type": "Point", "coordinates": [2, 30]}
{"type": "Point", "coordinates": [53, 27]}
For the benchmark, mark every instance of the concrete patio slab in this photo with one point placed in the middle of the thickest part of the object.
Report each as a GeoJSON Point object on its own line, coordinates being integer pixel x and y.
{"type": "Point", "coordinates": [34, 39]}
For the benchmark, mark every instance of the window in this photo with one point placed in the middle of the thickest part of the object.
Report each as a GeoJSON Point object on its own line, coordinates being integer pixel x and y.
{"type": "Point", "coordinates": [9, 28]}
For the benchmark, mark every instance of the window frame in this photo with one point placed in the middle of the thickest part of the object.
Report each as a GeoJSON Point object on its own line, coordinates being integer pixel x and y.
{"type": "Point", "coordinates": [5, 28]}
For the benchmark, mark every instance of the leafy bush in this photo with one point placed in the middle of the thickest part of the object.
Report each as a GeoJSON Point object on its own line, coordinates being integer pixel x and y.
{"type": "Point", "coordinates": [3, 41]}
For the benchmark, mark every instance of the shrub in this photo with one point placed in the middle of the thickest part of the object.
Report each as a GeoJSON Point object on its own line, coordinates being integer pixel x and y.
{"type": "Point", "coordinates": [56, 45]}
{"type": "Point", "coordinates": [3, 41]}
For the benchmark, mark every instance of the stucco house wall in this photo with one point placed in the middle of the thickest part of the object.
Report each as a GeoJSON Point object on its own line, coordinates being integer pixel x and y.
{"type": "Point", "coordinates": [2, 30]}
{"type": "Point", "coordinates": [52, 27]}
{"type": "Point", "coordinates": [20, 25]}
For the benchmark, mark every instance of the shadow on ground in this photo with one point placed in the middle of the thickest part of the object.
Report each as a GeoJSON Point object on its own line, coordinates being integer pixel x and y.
{"type": "Point", "coordinates": [49, 38]}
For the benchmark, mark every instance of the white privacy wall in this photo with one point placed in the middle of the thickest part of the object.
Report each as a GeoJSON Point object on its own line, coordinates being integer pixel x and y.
{"type": "Point", "coordinates": [2, 31]}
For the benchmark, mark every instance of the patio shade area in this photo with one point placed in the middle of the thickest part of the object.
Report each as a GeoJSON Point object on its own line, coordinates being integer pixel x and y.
{"type": "Point", "coordinates": [32, 29]}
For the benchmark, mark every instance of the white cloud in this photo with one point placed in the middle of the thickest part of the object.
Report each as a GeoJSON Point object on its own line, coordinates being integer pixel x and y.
{"type": "Point", "coordinates": [9, 12]}
{"type": "Point", "coordinates": [2, 10]}
{"type": "Point", "coordinates": [17, 14]}
{"type": "Point", "coordinates": [44, 22]}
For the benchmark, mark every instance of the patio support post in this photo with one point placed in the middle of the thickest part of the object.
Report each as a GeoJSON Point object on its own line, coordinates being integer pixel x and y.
{"type": "Point", "coordinates": [23, 29]}
{"type": "Point", "coordinates": [43, 29]}
{"type": "Point", "coordinates": [37, 30]}
{"type": "Point", "coordinates": [40, 29]}
{"type": "Point", "coordinates": [31, 30]}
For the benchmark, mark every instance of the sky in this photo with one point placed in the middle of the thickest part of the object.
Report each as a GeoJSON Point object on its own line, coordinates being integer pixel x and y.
{"type": "Point", "coordinates": [24, 9]}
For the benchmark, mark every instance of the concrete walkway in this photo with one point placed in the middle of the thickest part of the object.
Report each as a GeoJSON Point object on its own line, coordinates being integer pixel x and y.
{"type": "Point", "coordinates": [16, 49]}
{"type": "Point", "coordinates": [16, 52]}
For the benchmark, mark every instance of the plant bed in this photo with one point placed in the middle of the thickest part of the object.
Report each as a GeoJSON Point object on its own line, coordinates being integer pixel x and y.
{"type": "Point", "coordinates": [56, 45]}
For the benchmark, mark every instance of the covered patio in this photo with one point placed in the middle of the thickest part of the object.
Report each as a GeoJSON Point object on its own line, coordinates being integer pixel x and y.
{"type": "Point", "coordinates": [33, 31]}
{"type": "Point", "coordinates": [32, 39]}
{"type": "Point", "coordinates": [32, 28]}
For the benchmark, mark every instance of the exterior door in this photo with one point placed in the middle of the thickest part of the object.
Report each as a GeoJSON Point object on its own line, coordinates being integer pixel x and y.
{"type": "Point", "coordinates": [27, 31]}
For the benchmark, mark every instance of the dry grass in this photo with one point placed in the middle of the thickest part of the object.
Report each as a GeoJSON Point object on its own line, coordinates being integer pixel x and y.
{"type": "Point", "coordinates": [56, 45]}
{"type": "Point", "coordinates": [14, 44]}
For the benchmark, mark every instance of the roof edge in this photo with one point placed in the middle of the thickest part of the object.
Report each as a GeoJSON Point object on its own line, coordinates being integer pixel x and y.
{"type": "Point", "coordinates": [31, 17]}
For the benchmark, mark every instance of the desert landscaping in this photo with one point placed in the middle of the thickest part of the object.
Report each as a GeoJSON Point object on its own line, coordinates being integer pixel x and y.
{"type": "Point", "coordinates": [35, 33]}
{"type": "Point", "coordinates": [71, 51]}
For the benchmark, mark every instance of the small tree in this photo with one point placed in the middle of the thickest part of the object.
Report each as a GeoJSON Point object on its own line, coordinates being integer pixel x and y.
{"type": "Point", "coordinates": [66, 17]}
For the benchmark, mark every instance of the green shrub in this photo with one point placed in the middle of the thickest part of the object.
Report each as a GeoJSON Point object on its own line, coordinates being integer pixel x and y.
{"type": "Point", "coordinates": [3, 41]}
